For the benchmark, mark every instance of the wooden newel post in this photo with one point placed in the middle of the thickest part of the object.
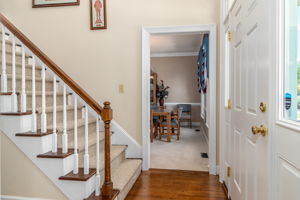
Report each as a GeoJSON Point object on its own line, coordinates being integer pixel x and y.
{"type": "Point", "coordinates": [107, 187]}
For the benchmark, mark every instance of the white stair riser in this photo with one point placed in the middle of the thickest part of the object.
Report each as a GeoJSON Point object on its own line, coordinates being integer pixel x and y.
{"type": "Point", "coordinates": [6, 103]}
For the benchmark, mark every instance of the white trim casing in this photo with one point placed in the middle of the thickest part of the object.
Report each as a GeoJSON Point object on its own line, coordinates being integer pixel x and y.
{"type": "Point", "coordinates": [211, 120]}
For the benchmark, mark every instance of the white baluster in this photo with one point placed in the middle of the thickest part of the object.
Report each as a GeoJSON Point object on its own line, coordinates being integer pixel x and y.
{"type": "Point", "coordinates": [3, 72]}
{"type": "Point", "coordinates": [64, 135]}
{"type": "Point", "coordinates": [43, 115]}
{"type": "Point", "coordinates": [23, 92]}
{"type": "Point", "coordinates": [33, 100]}
{"type": "Point", "coordinates": [86, 142]}
{"type": "Point", "coordinates": [97, 190]}
{"type": "Point", "coordinates": [54, 136]}
{"type": "Point", "coordinates": [75, 170]}
{"type": "Point", "coordinates": [14, 95]}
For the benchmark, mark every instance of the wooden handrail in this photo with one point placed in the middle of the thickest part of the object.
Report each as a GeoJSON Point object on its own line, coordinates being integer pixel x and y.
{"type": "Point", "coordinates": [49, 63]}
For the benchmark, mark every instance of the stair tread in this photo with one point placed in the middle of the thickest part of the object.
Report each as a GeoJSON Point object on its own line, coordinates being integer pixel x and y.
{"type": "Point", "coordinates": [80, 176]}
{"type": "Point", "coordinates": [38, 93]}
{"type": "Point", "coordinates": [6, 41]}
{"type": "Point", "coordinates": [17, 53]}
{"type": "Point", "coordinates": [122, 175]}
{"type": "Point", "coordinates": [58, 108]}
{"type": "Point", "coordinates": [37, 79]}
{"type": "Point", "coordinates": [70, 124]}
{"type": "Point", "coordinates": [18, 64]}
{"type": "Point", "coordinates": [58, 154]}
{"type": "Point", "coordinates": [35, 134]}
{"type": "Point", "coordinates": [92, 140]}
{"type": "Point", "coordinates": [115, 151]}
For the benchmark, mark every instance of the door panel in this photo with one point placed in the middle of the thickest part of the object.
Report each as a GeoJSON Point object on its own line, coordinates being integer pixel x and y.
{"type": "Point", "coordinates": [289, 180]}
{"type": "Point", "coordinates": [250, 65]}
{"type": "Point", "coordinates": [251, 75]}
{"type": "Point", "coordinates": [237, 76]}
{"type": "Point", "coordinates": [237, 164]}
{"type": "Point", "coordinates": [251, 172]}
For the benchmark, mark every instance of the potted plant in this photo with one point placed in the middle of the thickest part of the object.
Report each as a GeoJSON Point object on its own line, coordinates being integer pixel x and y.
{"type": "Point", "coordinates": [162, 93]}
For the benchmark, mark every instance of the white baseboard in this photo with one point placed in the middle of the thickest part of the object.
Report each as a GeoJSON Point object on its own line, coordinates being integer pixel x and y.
{"type": "Point", "coordinates": [176, 103]}
{"type": "Point", "coordinates": [187, 123]}
{"type": "Point", "coordinates": [7, 197]}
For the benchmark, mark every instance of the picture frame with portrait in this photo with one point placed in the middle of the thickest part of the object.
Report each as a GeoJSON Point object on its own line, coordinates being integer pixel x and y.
{"type": "Point", "coordinates": [98, 14]}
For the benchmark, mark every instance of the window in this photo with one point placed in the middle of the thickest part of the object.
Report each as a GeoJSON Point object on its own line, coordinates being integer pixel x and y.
{"type": "Point", "coordinates": [291, 87]}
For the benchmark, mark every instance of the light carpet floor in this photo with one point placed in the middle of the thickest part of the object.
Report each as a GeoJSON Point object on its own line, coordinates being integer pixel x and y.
{"type": "Point", "coordinates": [182, 154]}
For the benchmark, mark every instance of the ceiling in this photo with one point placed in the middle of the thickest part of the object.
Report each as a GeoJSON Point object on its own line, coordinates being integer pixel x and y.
{"type": "Point", "coordinates": [175, 45]}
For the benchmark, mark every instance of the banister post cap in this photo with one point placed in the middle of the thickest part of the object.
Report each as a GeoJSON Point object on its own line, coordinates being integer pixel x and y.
{"type": "Point", "coordinates": [107, 114]}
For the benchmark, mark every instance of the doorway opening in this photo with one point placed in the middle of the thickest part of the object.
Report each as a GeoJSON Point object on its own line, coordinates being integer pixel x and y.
{"type": "Point", "coordinates": [160, 54]}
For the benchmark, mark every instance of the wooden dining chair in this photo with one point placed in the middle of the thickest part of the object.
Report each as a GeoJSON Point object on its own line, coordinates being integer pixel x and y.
{"type": "Point", "coordinates": [154, 124]}
{"type": "Point", "coordinates": [175, 124]}
{"type": "Point", "coordinates": [186, 113]}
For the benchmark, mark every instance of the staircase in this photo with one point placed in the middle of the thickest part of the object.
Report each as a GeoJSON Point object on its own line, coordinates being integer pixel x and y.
{"type": "Point", "coordinates": [58, 125]}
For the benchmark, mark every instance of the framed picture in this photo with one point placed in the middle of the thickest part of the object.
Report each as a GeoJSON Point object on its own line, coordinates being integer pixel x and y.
{"type": "Point", "coordinates": [53, 3]}
{"type": "Point", "coordinates": [98, 14]}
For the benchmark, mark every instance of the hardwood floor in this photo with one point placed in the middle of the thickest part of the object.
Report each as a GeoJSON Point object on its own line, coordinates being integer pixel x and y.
{"type": "Point", "coordinates": [160, 184]}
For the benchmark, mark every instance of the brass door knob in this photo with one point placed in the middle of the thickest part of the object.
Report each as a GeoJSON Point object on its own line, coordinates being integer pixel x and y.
{"type": "Point", "coordinates": [262, 130]}
{"type": "Point", "coordinates": [263, 107]}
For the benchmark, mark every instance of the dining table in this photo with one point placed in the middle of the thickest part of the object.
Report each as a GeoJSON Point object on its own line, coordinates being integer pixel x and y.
{"type": "Point", "coordinates": [164, 113]}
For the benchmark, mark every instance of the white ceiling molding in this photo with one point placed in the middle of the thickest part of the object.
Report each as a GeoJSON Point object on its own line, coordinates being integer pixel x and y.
{"type": "Point", "coordinates": [173, 54]}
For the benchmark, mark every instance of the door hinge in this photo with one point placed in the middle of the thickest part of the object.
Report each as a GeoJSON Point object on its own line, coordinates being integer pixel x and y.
{"type": "Point", "coordinates": [228, 171]}
{"type": "Point", "coordinates": [229, 34]}
{"type": "Point", "coordinates": [229, 104]}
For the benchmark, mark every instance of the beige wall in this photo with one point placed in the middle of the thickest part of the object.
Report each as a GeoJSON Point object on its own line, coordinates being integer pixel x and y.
{"type": "Point", "coordinates": [20, 177]}
{"type": "Point", "coordinates": [100, 60]}
{"type": "Point", "coordinates": [180, 73]}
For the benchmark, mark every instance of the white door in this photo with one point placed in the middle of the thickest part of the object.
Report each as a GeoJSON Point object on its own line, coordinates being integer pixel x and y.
{"type": "Point", "coordinates": [286, 81]}
{"type": "Point", "coordinates": [250, 64]}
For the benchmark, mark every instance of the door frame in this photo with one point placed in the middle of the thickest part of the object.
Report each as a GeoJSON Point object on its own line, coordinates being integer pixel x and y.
{"type": "Point", "coordinates": [185, 29]}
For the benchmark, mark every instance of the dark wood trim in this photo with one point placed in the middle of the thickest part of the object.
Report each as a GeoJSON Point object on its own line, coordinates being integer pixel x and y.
{"type": "Point", "coordinates": [55, 5]}
{"type": "Point", "coordinates": [35, 134]}
{"type": "Point", "coordinates": [91, 16]}
{"type": "Point", "coordinates": [5, 93]}
{"type": "Point", "coordinates": [49, 63]}
{"type": "Point", "coordinates": [17, 113]}
{"type": "Point", "coordinates": [107, 187]}
{"type": "Point", "coordinates": [101, 197]}
{"type": "Point", "coordinates": [80, 176]}
{"type": "Point", "coordinates": [58, 154]}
